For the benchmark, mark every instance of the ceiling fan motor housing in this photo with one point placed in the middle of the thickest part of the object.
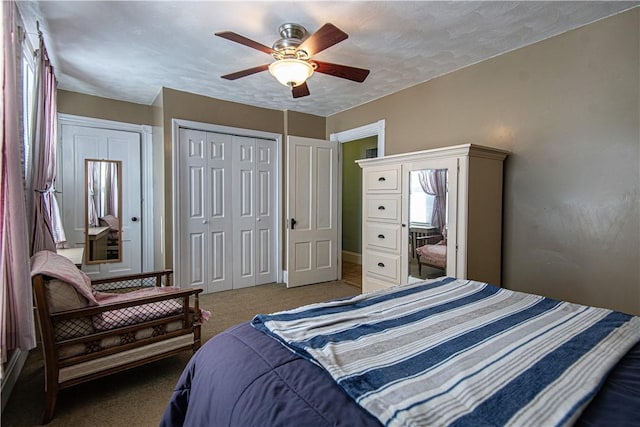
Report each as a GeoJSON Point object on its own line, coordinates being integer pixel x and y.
{"type": "Point", "coordinates": [292, 36]}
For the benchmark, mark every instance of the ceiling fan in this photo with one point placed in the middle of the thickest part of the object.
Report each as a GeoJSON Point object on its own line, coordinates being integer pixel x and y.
{"type": "Point", "coordinates": [293, 55]}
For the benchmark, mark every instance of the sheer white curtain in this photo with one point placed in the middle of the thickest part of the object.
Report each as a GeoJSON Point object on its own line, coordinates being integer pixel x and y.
{"type": "Point", "coordinates": [48, 232]}
{"type": "Point", "coordinates": [16, 321]}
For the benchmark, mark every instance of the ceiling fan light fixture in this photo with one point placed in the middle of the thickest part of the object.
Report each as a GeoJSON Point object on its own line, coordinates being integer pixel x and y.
{"type": "Point", "coordinates": [291, 72]}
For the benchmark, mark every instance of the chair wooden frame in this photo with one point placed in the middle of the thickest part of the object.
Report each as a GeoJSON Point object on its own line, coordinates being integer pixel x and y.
{"type": "Point", "coordinates": [427, 241]}
{"type": "Point", "coordinates": [95, 362]}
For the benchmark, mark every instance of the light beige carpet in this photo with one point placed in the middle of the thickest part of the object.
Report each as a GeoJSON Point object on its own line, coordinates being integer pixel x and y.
{"type": "Point", "coordinates": [137, 397]}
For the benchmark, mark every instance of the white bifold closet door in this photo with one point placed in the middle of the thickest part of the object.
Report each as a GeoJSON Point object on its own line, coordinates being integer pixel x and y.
{"type": "Point", "coordinates": [226, 196]}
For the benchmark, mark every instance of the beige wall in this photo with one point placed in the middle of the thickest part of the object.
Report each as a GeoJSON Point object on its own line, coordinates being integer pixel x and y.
{"type": "Point", "coordinates": [80, 104]}
{"type": "Point", "coordinates": [568, 109]}
{"type": "Point", "coordinates": [307, 125]}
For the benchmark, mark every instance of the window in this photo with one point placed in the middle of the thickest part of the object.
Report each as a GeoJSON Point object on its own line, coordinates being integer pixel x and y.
{"type": "Point", "coordinates": [421, 206]}
{"type": "Point", "coordinates": [28, 88]}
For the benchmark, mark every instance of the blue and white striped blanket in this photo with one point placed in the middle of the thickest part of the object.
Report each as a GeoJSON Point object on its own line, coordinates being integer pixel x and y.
{"type": "Point", "coordinates": [458, 352]}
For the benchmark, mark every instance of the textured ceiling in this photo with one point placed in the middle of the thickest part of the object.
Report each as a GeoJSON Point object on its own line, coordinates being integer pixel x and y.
{"type": "Point", "coordinates": [129, 50]}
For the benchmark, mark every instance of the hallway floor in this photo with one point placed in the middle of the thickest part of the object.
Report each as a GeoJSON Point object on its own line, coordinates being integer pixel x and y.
{"type": "Point", "coordinates": [352, 273]}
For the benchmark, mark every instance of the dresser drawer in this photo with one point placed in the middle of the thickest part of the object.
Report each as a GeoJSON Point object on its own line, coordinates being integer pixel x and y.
{"type": "Point", "coordinates": [382, 236]}
{"type": "Point", "coordinates": [383, 208]}
{"type": "Point", "coordinates": [382, 266]}
{"type": "Point", "coordinates": [387, 180]}
{"type": "Point", "coordinates": [369, 284]}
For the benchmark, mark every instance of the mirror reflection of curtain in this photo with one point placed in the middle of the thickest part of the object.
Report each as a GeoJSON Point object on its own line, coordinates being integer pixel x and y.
{"type": "Point", "coordinates": [434, 182]}
{"type": "Point", "coordinates": [103, 191]}
{"type": "Point", "coordinates": [92, 215]}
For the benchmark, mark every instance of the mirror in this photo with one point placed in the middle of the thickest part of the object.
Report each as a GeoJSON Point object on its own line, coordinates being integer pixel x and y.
{"type": "Point", "coordinates": [103, 211]}
{"type": "Point", "coordinates": [428, 213]}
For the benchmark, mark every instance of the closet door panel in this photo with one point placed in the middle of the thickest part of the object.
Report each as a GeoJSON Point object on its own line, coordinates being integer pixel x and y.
{"type": "Point", "coordinates": [192, 202]}
{"type": "Point", "coordinates": [204, 204]}
{"type": "Point", "coordinates": [244, 218]}
{"type": "Point", "coordinates": [265, 212]}
{"type": "Point", "coordinates": [219, 218]}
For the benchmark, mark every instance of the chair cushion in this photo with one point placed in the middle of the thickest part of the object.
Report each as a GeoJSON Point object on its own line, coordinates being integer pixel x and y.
{"type": "Point", "coordinates": [434, 254]}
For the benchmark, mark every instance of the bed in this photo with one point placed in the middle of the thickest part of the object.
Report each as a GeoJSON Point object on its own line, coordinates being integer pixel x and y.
{"type": "Point", "coordinates": [466, 354]}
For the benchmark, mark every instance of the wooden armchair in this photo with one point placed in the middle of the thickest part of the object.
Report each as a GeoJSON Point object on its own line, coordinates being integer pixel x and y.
{"type": "Point", "coordinates": [431, 251]}
{"type": "Point", "coordinates": [137, 319]}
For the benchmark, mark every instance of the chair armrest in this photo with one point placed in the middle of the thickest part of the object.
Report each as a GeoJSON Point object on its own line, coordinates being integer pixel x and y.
{"type": "Point", "coordinates": [428, 240]}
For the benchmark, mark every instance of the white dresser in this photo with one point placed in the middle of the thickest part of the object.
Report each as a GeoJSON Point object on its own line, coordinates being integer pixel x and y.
{"type": "Point", "coordinates": [473, 213]}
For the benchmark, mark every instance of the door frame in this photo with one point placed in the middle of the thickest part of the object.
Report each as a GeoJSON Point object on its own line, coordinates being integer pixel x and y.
{"type": "Point", "coordinates": [146, 172]}
{"type": "Point", "coordinates": [372, 129]}
{"type": "Point", "coordinates": [176, 125]}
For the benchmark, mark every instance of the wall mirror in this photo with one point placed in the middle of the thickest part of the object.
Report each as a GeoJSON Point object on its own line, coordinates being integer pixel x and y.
{"type": "Point", "coordinates": [103, 211]}
{"type": "Point", "coordinates": [428, 224]}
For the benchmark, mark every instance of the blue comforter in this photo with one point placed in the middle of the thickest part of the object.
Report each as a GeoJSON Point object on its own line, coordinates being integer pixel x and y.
{"type": "Point", "coordinates": [454, 352]}
{"type": "Point", "coordinates": [243, 377]}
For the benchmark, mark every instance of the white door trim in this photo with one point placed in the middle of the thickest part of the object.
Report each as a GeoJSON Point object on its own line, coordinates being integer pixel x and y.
{"type": "Point", "coordinates": [372, 129]}
{"type": "Point", "coordinates": [146, 169]}
{"type": "Point", "coordinates": [176, 124]}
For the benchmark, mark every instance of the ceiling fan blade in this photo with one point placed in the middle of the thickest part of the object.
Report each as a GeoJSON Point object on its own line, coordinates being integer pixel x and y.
{"type": "Point", "coordinates": [300, 90]}
{"type": "Point", "coordinates": [342, 71]}
{"type": "Point", "coordinates": [325, 37]}
{"type": "Point", "coordinates": [235, 37]}
{"type": "Point", "coordinates": [246, 72]}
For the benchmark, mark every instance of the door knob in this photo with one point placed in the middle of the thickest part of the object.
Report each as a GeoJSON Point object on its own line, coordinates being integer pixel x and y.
{"type": "Point", "coordinates": [258, 220]}
{"type": "Point", "coordinates": [204, 221]}
{"type": "Point", "coordinates": [134, 219]}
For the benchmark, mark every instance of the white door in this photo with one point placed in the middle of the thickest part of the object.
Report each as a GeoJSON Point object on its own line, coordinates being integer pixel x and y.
{"type": "Point", "coordinates": [205, 237]}
{"type": "Point", "coordinates": [244, 212]}
{"type": "Point", "coordinates": [80, 143]}
{"type": "Point", "coordinates": [253, 187]}
{"type": "Point", "coordinates": [312, 229]}
{"type": "Point", "coordinates": [227, 218]}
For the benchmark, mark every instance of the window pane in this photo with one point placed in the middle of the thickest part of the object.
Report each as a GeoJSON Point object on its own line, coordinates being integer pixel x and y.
{"type": "Point", "coordinates": [27, 106]}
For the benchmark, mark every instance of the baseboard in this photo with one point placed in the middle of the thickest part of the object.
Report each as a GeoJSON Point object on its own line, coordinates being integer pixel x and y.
{"type": "Point", "coordinates": [11, 374]}
{"type": "Point", "coordinates": [353, 257]}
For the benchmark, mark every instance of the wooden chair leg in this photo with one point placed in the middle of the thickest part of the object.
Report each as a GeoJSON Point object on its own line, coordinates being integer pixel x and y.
{"type": "Point", "coordinates": [50, 403]}
{"type": "Point", "coordinates": [196, 338]}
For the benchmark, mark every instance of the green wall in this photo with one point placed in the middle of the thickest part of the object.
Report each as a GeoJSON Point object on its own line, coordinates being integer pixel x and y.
{"type": "Point", "coordinates": [352, 192]}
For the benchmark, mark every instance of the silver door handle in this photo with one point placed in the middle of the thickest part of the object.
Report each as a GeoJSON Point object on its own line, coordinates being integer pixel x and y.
{"type": "Point", "coordinates": [204, 221]}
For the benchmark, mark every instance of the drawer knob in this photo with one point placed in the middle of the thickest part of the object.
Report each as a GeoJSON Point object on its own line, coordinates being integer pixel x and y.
{"type": "Point", "coordinates": [380, 208]}
{"type": "Point", "coordinates": [380, 264]}
{"type": "Point", "coordinates": [380, 236]}
{"type": "Point", "coordinates": [382, 179]}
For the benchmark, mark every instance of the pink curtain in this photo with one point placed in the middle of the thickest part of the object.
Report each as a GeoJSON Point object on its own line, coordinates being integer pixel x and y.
{"type": "Point", "coordinates": [16, 323]}
{"type": "Point", "coordinates": [47, 232]}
